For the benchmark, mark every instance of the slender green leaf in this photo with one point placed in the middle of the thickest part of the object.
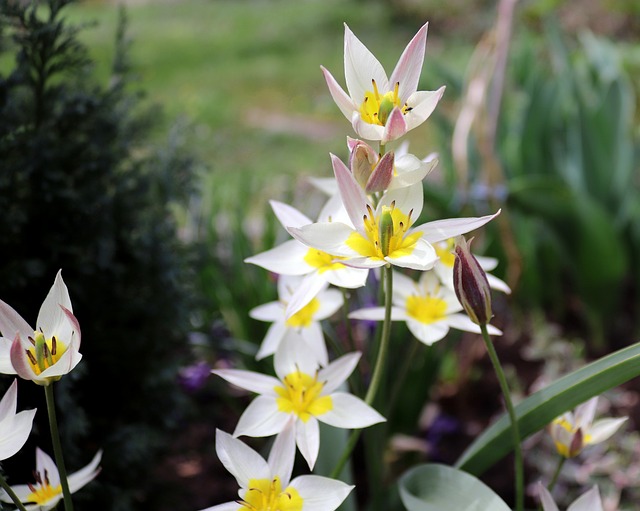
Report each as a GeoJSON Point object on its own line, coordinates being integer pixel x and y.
{"type": "Point", "coordinates": [435, 487]}
{"type": "Point", "coordinates": [539, 409]}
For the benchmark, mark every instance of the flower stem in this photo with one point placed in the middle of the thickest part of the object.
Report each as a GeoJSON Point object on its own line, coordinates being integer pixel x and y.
{"type": "Point", "coordinates": [57, 447]}
{"type": "Point", "coordinates": [517, 448]}
{"type": "Point", "coordinates": [378, 370]}
{"type": "Point", "coordinates": [556, 474]}
{"type": "Point", "coordinates": [11, 494]}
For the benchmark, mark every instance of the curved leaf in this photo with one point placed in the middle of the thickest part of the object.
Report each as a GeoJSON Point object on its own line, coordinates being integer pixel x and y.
{"type": "Point", "coordinates": [435, 487]}
{"type": "Point", "coordinates": [539, 409]}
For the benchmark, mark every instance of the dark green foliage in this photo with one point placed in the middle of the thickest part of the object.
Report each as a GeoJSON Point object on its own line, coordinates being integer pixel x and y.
{"type": "Point", "coordinates": [82, 190]}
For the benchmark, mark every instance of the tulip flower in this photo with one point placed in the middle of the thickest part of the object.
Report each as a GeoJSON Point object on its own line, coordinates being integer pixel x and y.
{"type": "Point", "coordinates": [573, 431]}
{"type": "Point", "coordinates": [470, 284]}
{"type": "Point", "coordinates": [266, 485]}
{"type": "Point", "coordinates": [305, 323]}
{"type": "Point", "coordinates": [49, 351]}
{"type": "Point", "coordinates": [589, 501]}
{"type": "Point", "coordinates": [14, 427]}
{"type": "Point", "coordinates": [429, 308]}
{"type": "Point", "coordinates": [46, 492]}
{"type": "Point", "coordinates": [382, 108]}
{"type": "Point", "coordinates": [303, 392]}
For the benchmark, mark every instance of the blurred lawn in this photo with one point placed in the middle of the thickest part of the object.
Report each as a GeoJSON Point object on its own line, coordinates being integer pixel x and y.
{"type": "Point", "coordinates": [247, 75]}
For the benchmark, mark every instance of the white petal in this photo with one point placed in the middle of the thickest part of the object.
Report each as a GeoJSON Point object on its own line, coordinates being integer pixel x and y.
{"type": "Point", "coordinates": [328, 237]}
{"type": "Point", "coordinates": [350, 412]}
{"type": "Point", "coordinates": [44, 463]}
{"type": "Point", "coordinates": [498, 284]}
{"type": "Point", "coordinates": [249, 380]}
{"type": "Point", "coordinates": [487, 263]}
{"type": "Point", "coordinates": [347, 277]}
{"type": "Point", "coordinates": [14, 433]}
{"type": "Point", "coordinates": [294, 355]}
{"type": "Point", "coordinates": [272, 311]}
{"type": "Point", "coordinates": [227, 506]}
{"type": "Point", "coordinates": [272, 340]}
{"type": "Point", "coordinates": [330, 302]}
{"type": "Point", "coordinates": [9, 402]}
{"type": "Point", "coordinates": [585, 413]}
{"type": "Point", "coordinates": [407, 199]}
{"type": "Point", "coordinates": [309, 287]}
{"type": "Point", "coordinates": [288, 215]}
{"type": "Point", "coordinates": [422, 104]}
{"type": "Point", "coordinates": [326, 185]}
{"type": "Point", "coordinates": [285, 259]}
{"type": "Point", "coordinates": [360, 67]}
{"type": "Point", "coordinates": [441, 230]}
{"type": "Point", "coordinates": [366, 130]}
{"type": "Point", "coordinates": [321, 493]}
{"type": "Point", "coordinates": [6, 367]}
{"type": "Point", "coordinates": [428, 333]}
{"type": "Point", "coordinates": [240, 460]}
{"type": "Point", "coordinates": [411, 170]}
{"type": "Point", "coordinates": [546, 499]}
{"type": "Point", "coordinates": [261, 418]}
{"type": "Point", "coordinates": [334, 210]}
{"type": "Point", "coordinates": [589, 501]}
{"type": "Point", "coordinates": [85, 475]}
{"type": "Point", "coordinates": [368, 314]}
{"type": "Point", "coordinates": [341, 98]}
{"type": "Point", "coordinates": [51, 316]}
{"type": "Point", "coordinates": [604, 428]}
{"type": "Point", "coordinates": [336, 373]}
{"type": "Point", "coordinates": [282, 454]}
{"type": "Point", "coordinates": [11, 323]}
{"type": "Point", "coordinates": [422, 257]}
{"type": "Point", "coordinates": [308, 440]}
{"type": "Point", "coordinates": [409, 66]}
{"type": "Point", "coordinates": [313, 337]}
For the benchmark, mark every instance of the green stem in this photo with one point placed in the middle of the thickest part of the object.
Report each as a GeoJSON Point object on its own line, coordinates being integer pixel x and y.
{"type": "Point", "coordinates": [517, 448]}
{"type": "Point", "coordinates": [556, 474]}
{"type": "Point", "coordinates": [387, 280]}
{"type": "Point", "coordinates": [11, 494]}
{"type": "Point", "coordinates": [57, 447]}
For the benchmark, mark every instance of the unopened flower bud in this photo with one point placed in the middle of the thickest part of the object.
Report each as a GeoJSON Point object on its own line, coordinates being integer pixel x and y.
{"type": "Point", "coordinates": [470, 284]}
{"type": "Point", "coordinates": [382, 175]}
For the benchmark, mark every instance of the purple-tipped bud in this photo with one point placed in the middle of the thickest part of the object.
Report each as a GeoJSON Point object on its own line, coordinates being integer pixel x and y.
{"type": "Point", "coordinates": [382, 175]}
{"type": "Point", "coordinates": [470, 284]}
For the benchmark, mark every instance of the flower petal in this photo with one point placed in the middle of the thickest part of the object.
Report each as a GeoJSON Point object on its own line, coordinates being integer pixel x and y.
{"type": "Point", "coordinates": [353, 197]}
{"type": "Point", "coordinates": [51, 316]}
{"type": "Point", "coordinates": [285, 259]}
{"type": "Point", "coordinates": [308, 440]}
{"type": "Point", "coordinates": [341, 98]}
{"type": "Point", "coordinates": [411, 170]}
{"type": "Point", "coordinates": [294, 355]}
{"type": "Point", "coordinates": [11, 323]}
{"type": "Point", "coordinates": [428, 333]}
{"type": "Point", "coordinates": [546, 499]}
{"type": "Point", "coordinates": [14, 433]}
{"type": "Point", "coordinates": [602, 429]}
{"type": "Point", "coordinates": [360, 68]}
{"type": "Point", "coordinates": [422, 257]}
{"type": "Point", "coordinates": [86, 474]}
{"type": "Point", "coordinates": [440, 230]}
{"type": "Point", "coordinates": [240, 460]}
{"type": "Point", "coordinates": [272, 339]}
{"type": "Point", "coordinates": [347, 277]}
{"type": "Point", "coordinates": [336, 373]}
{"type": "Point", "coordinates": [395, 127]}
{"type": "Point", "coordinates": [261, 418]}
{"type": "Point", "coordinates": [306, 291]}
{"type": "Point", "coordinates": [589, 501]}
{"type": "Point", "coordinates": [249, 380]}
{"type": "Point", "coordinates": [272, 311]}
{"type": "Point", "coordinates": [422, 104]}
{"type": "Point", "coordinates": [329, 237]}
{"type": "Point", "coordinates": [321, 493]}
{"type": "Point", "coordinates": [282, 454]}
{"type": "Point", "coordinates": [350, 412]}
{"type": "Point", "coordinates": [409, 66]}
{"type": "Point", "coordinates": [288, 215]}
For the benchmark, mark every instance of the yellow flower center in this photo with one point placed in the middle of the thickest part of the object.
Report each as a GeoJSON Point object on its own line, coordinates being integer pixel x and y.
{"type": "Point", "coordinates": [265, 495]}
{"type": "Point", "coordinates": [385, 234]}
{"type": "Point", "coordinates": [444, 251]}
{"type": "Point", "coordinates": [322, 260]}
{"type": "Point", "coordinates": [45, 352]}
{"type": "Point", "coordinates": [566, 450]}
{"type": "Point", "coordinates": [304, 316]}
{"type": "Point", "coordinates": [300, 394]}
{"type": "Point", "coordinates": [375, 109]}
{"type": "Point", "coordinates": [42, 492]}
{"type": "Point", "coordinates": [426, 309]}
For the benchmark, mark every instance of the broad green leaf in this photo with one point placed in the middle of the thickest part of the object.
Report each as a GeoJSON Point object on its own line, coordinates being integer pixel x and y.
{"type": "Point", "coordinates": [435, 487]}
{"type": "Point", "coordinates": [539, 409]}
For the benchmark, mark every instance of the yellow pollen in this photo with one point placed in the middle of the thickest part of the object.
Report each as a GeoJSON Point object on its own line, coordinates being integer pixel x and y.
{"type": "Point", "coordinates": [375, 109]}
{"type": "Point", "coordinates": [268, 495]}
{"type": "Point", "coordinates": [426, 309]}
{"type": "Point", "coordinates": [444, 251]}
{"type": "Point", "coordinates": [44, 352]}
{"type": "Point", "coordinates": [388, 238]}
{"type": "Point", "coordinates": [300, 394]}
{"type": "Point", "coordinates": [42, 493]}
{"type": "Point", "coordinates": [304, 316]}
{"type": "Point", "coordinates": [322, 260]}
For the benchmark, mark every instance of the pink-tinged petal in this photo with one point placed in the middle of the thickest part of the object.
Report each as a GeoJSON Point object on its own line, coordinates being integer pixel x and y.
{"type": "Point", "coordinates": [227, 506]}
{"type": "Point", "coordinates": [422, 257]}
{"type": "Point", "coordinates": [19, 359]}
{"type": "Point", "coordinates": [585, 413]}
{"type": "Point", "coordinates": [603, 429]}
{"type": "Point", "coordinates": [589, 501]}
{"type": "Point", "coordinates": [51, 315]}
{"type": "Point", "coordinates": [360, 68]}
{"type": "Point", "coordinates": [350, 278]}
{"type": "Point", "coordinates": [395, 127]}
{"type": "Point", "coordinates": [249, 380]}
{"type": "Point", "coordinates": [381, 177]}
{"type": "Point", "coordinates": [427, 333]}
{"type": "Point", "coordinates": [70, 329]}
{"type": "Point", "coordinates": [329, 237]}
{"type": "Point", "coordinates": [11, 323]}
{"type": "Point", "coordinates": [308, 440]}
{"type": "Point", "coordinates": [411, 170]}
{"type": "Point", "coordinates": [308, 289]}
{"type": "Point", "coordinates": [9, 402]}
{"type": "Point", "coordinates": [285, 259]}
{"type": "Point", "coordinates": [313, 337]}
{"type": "Point", "coordinates": [321, 493]}
{"type": "Point", "coordinates": [15, 432]}
{"type": "Point", "coordinates": [288, 215]}
{"type": "Point", "coordinates": [240, 460]}
{"type": "Point", "coordinates": [366, 130]}
{"type": "Point", "coordinates": [336, 373]}
{"type": "Point", "coordinates": [261, 418]}
{"type": "Point", "coordinates": [353, 197]}
{"type": "Point", "coordinates": [272, 339]}
{"type": "Point", "coordinates": [350, 412]}
{"type": "Point", "coordinates": [86, 474]}
{"type": "Point", "coordinates": [283, 452]}
{"type": "Point", "coordinates": [408, 200]}
{"type": "Point", "coordinates": [440, 230]}
{"type": "Point", "coordinates": [5, 356]}
{"type": "Point", "coordinates": [293, 355]}
{"type": "Point", "coordinates": [272, 311]}
{"type": "Point", "coordinates": [340, 97]}
{"type": "Point", "coordinates": [409, 66]}
{"type": "Point", "coordinates": [546, 499]}
{"type": "Point", "coordinates": [422, 104]}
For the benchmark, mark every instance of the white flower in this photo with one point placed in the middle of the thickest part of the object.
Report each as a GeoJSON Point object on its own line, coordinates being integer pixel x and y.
{"type": "Point", "coordinates": [378, 107]}
{"type": "Point", "coordinates": [267, 485]}
{"type": "Point", "coordinates": [49, 351]}
{"type": "Point", "coordinates": [303, 392]}
{"type": "Point", "coordinates": [294, 258]}
{"type": "Point", "coordinates": [305, 322]}
{"type": "Point", "coordinates": [14, 427]}
{"type": "Point", "coordinates": [429, 308]}
{"type": "Point", "coordinates": [46, 492]}
{"type": "Point", "coordinates": [385, 234]}
{"type": "Point", "coordinates": [573, 431]}
{"type": "Point", "coordinates": [589, 501]}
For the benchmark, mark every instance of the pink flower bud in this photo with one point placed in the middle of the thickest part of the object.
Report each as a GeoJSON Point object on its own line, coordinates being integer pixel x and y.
{"type": "Point", "coordinates": [470, 284]}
